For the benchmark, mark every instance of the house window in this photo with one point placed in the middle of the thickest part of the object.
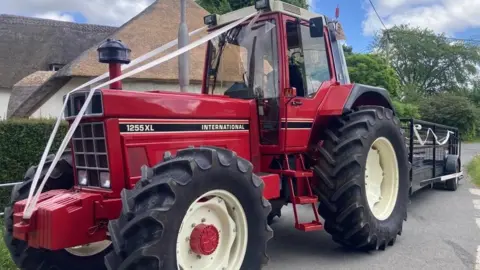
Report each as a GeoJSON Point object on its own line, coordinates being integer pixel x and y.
{"type": "Point", "coordinates": [55, 67]}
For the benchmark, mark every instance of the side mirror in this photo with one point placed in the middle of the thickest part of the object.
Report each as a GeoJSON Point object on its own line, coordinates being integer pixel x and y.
{"type": "Point", "coordinates": [290, 92]}
{"type": "Point", "coordinates": [316, 27]}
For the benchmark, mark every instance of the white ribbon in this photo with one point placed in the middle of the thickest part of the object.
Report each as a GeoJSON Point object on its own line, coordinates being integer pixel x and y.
{"type": "Point", "coordinates": [31, 202]}
{"type": "Point", "coordinates": [419, 127]}
{"type": "Point", "coordinates": [133, 63]}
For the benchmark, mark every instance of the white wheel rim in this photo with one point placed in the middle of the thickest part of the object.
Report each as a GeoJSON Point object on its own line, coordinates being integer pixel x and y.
{"type": "Point", "coordinates": [89, 249]}
{"type": "Point", "coordinates": [221, 209]}
{"type": "Point", "coordinates": [381, 178]}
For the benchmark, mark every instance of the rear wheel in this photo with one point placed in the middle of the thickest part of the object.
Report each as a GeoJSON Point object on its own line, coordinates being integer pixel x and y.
{"type": "Point", "coordinates": [25, 257]}
{"type": "Point", "coordinates": [363, 185]}
{"type": "Point", "coordinates": [452, 184]}
{"type": "Point", "coordinates": [204, 209]}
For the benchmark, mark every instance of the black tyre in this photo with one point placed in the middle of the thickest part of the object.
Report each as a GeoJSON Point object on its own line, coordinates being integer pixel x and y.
{"type": "Point", "coordinates": [452, 184]}
{"type": "Point", "coordinates": [277, 206]}
{"type": "Point", "coordinates": [341, 168]}
{"type": "Point", "coordinates": [28, 258]}
{"type": "Point", "coordinates": [152, 219]}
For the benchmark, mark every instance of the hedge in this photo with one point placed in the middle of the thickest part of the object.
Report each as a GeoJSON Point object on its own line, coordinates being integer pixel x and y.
{"type": "Point", "coordinates": [22, 142]}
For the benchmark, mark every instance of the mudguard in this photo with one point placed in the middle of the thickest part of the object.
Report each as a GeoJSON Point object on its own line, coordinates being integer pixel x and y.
{"type": "Point", "coordinates": [368, 95]}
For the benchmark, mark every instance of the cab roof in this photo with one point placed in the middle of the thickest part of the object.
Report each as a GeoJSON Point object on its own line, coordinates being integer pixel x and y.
{"type": "Point", "coordinates": [275, 6]}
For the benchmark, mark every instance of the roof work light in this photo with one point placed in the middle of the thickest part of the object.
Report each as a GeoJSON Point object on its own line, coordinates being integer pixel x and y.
{"type": "Point", "coordinates": [210, 20]}
{"type": "Point", "coordinates": [263, 5]}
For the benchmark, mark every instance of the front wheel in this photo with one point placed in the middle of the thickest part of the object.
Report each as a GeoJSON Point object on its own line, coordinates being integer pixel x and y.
{"type": "Point", "coordinates": [363, 186]}
{"type": "Point", "coordinates": [203, 209]}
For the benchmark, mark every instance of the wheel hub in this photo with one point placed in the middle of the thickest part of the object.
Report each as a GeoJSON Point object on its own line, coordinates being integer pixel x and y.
{"type": "Point", "coordinates": [204, 239]}
{"type": "Point", "coordinates": [213, 233]}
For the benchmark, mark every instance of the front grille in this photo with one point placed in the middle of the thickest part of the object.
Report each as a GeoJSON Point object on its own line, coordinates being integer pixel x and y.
{"type": "Point", "coordinates": [90, 150]}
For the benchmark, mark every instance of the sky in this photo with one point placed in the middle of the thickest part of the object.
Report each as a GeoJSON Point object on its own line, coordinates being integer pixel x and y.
{"type": "Point", "coordinates": [455, 18]}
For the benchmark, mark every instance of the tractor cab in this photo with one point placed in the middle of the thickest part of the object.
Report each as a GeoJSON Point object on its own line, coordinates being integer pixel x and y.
{"type": "Point", "coordinates": [286, 59]}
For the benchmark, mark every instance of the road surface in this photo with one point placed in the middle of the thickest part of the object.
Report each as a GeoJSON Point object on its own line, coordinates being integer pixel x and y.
{"type": "Point", "coordinates": [440, 233]}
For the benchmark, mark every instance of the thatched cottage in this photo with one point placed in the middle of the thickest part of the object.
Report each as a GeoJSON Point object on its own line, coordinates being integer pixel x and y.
{"type": "Point", "coordinates": [42, 60]}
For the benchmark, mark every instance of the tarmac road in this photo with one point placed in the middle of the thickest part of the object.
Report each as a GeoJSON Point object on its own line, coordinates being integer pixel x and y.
{"type": "Point", "coordinates": [440, 233]}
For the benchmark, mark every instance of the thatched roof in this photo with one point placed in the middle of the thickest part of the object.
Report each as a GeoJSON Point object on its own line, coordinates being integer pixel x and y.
{"type": "Point", "coordinates": [156, 25]}
{"type": "Point", "coordinates": [22, 90]}
{"type": "Point", "coordinates": [28, 45]}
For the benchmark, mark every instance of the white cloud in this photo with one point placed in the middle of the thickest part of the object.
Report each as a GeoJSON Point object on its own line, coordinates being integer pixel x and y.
{"type": "Point", "coordinates": [51, 15]}
{"type": "Point", "coordinates": [442, 16]}
{"type": "Point", "coordinates": [105, 12]}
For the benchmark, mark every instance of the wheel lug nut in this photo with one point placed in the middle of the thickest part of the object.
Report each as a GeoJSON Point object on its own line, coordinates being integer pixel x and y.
{"type": "Point", "coordinates": [199, 257]}
{"type": "Point", "coordinates": [203, 220]}
{"type": "Point", "coordinates": [193, 225]}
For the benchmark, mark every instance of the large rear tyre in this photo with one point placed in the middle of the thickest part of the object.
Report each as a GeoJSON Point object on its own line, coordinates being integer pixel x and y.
{"type": "Point", "coordinates": [25, 257]}
{"type": "Point", "coordinates": [363, 186]}
{"type": "Point", "coordinates": [202, 210]}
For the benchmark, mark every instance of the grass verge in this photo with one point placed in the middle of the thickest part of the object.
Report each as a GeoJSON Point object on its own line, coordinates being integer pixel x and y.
{"type": "Point", "coordinates": [473, 169]}
{"type": "Point", "coordinates": [6, 262]}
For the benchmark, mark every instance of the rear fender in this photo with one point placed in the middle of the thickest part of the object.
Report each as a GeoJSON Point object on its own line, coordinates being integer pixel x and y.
{"type": "Point", "coordinates": [341, 99]}
{"type": "Point", "coordinates": [368, 95]}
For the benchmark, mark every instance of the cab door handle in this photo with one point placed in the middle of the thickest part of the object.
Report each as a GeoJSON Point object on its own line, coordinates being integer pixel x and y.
{"type": "Point", "coordinates": [297, 102]}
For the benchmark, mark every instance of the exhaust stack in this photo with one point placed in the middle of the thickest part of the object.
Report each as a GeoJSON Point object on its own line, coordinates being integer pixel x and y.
{"type": "Point", "coordinates": [114, 53]}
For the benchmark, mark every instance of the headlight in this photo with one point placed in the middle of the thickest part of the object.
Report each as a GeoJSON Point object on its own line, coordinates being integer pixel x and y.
{"type": "Point", "coordinates": [262, 4]}
{"type": "Point", "coordinates": [105, 179]}
{"type": "Point", "coordinates": [82, 178]}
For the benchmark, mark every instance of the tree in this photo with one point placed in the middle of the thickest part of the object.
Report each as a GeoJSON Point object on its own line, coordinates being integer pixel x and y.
{"type": "Point", "coordinates": [452, 110]}
{"type": "Point", "coordinates": [372, 70]}
{"type": "Point", "coordinates": [347, 50]}
{"type": "Point", "coordinates": [427, 62]}
{"type": "Point", "coordinates": [224, 6]}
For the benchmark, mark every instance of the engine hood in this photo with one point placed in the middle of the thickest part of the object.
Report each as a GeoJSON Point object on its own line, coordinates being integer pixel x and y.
{"type": "Point", "coordinates": [164, 104]}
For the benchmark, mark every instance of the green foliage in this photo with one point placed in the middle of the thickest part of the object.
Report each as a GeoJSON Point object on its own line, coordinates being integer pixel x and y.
{"type": "Point", "coordinates": [224, 6]}
{"type": "Point", "coordinates": [215, 6]}
{"type": "Point", "coordinates": [6, 262]}
{"type": "Point", "coordinates": [22, 142]}
{"type": "Point", "coordinates": [371, 69]}
{"type": "Point", "coordinates": [427, 62]}
{"type": "Point", "coordinates": [451, 110]}
{"type": "Point", "coordinates": [473, 169]}
{"type": "Point", "coordinates": [347, 50]}
{"type": "Point", "coordinates": [406, 110]}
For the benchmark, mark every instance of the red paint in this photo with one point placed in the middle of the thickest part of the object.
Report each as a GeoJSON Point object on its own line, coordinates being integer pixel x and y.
{"type": "Point", "coordinates": [204, 239]}
{"type": "Point", "coordinates": [115, 71]}
{"type": "Point", "coordinates": [61, 213]}
{"type": "Point", "coordinates": [172, 105]}
{"type": "Point", "coordinates": [272, 186]}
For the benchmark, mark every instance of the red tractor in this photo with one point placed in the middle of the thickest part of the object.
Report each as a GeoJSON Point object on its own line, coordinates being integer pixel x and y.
{"type": "Point", "coordinates": [163, 180]}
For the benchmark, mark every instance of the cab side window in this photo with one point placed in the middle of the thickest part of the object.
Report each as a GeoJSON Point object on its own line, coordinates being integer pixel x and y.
{"type": "Point", "coordinates": [308, 60]}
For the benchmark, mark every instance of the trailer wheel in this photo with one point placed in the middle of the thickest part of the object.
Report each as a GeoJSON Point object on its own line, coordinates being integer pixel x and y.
{"type": "Point", "coordinates": [452, 184]}
{"type": "Point", "coordinates": [26, 257]}
{"type": "Point", "coordinates": [203, 209]}
{"type": "Point", "coordinates": [363, 184]}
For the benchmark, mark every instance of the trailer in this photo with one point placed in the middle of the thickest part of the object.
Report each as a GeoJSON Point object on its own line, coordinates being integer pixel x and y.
{"type": "Point", "coordinates": [434, 155]}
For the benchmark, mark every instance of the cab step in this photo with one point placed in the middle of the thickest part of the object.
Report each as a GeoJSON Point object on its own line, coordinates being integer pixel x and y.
{"type": "Point", "coordinates": [306, 199]}
{"type": "Point", "coordinates": [309, 227]}
{"type": "Point", "coordinates": [305, 195]}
